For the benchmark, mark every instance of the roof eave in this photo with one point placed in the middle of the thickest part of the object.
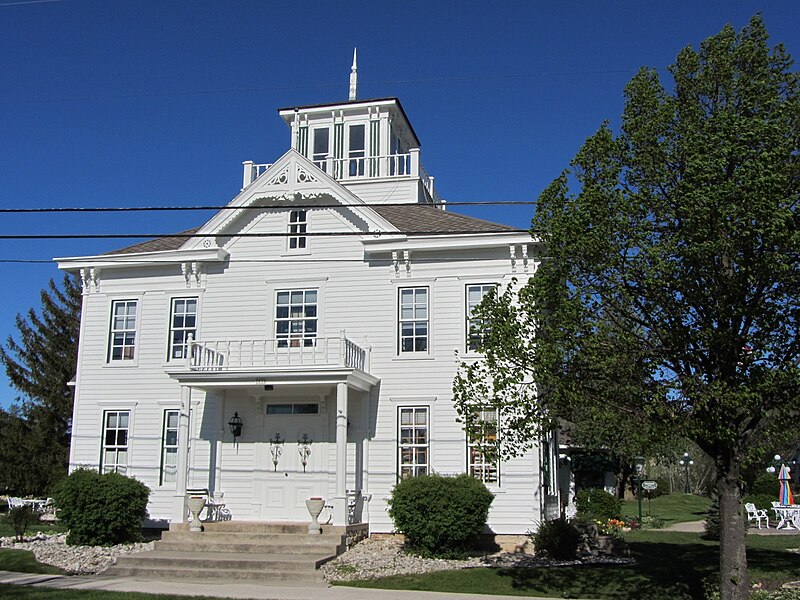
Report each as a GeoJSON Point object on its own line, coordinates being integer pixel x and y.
{"type": "Point", "coordinates": [106, 261]}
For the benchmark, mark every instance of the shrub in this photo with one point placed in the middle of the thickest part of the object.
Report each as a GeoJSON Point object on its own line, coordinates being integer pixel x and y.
{"type": "Point", "coordinates": [20, 518]}
{"type": "Point", "coordinates": [598, 504]}
{"type": "Point", "coordinates": [556, 539]}
{"type": "Point", "coordinates": [760, 500]}
{"type": "Point", "coordinates": [440, 516]}
{"type": "Point", "coordinates": [711, 526]}
{"type": "Point", "coordinates": [766, 484]}
{"type": "Point", "coordinates": [661, 490]}
{"type": "Point", "coordinates": [101, 509]}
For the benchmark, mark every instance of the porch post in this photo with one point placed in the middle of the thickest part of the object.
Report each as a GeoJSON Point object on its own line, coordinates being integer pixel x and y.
{"type": "Point", "coordinates": [182, 475]}
{"type": "Point", "coordinates": [340, 499]}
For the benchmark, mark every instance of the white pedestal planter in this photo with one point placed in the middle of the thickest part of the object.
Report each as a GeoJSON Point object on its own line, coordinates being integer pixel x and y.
{"type": "Point", "coordinates": [195, 504]}
{"type": "Point", "coordinates": [314, 506]}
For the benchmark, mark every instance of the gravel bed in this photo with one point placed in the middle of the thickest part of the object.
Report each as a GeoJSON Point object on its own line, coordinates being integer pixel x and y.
{"type": "Point", "coordinates": [383, 558]}
{"type": "Point", "coordinates": [52, 549]}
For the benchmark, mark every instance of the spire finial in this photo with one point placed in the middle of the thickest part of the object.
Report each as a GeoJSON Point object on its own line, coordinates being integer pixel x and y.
{"type": "Point", "coordinates": [353, 77]}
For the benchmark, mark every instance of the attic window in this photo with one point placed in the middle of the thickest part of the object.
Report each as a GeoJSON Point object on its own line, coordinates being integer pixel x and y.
{"type": "Point", "coordinates": [298, 225]}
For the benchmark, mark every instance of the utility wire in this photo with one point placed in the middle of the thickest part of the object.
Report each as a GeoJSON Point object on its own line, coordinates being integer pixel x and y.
{"type": "Point", "coordinates": [112, 209]}
{"type": "Point", "coordinates": [283, 234]}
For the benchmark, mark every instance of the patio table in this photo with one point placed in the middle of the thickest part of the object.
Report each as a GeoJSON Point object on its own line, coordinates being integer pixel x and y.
{"type": "Point", "coordinates": [788, 516]}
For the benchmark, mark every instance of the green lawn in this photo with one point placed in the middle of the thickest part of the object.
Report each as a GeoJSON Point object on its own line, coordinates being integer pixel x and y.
{"type": "Point", "coordinates": [669, 566]}
{"type": "Point", "coordinates": [23, 561]}
{"type": "Point", "coordinates": [672, 508]}
{"type": "Point", "coordinates": [29, 592]}
{"type": "Point", "coordinates": [7, 531]}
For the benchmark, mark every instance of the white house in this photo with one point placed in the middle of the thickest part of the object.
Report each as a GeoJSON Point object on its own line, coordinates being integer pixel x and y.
{"type": "Point", "coordinates": [323, 308]}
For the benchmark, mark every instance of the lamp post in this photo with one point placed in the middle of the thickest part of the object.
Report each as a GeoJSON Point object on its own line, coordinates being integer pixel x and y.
{"type": "Point", "coordinates": [776, 462]}
{"type": "Point", "coordinates": [686, 462]}
{"type": "Point", "coordinates": [638, 464]}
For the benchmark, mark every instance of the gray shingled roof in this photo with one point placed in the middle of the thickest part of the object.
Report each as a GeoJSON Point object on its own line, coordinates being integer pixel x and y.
{"type": "Point", "coordinates": [412, 218]}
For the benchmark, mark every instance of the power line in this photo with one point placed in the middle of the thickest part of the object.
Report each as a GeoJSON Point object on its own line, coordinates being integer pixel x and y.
{"type": "Point", "coordinates": [285, 260]}
{"type": "Point", "coordinates": [21, 2]}
{"type": "Point", "coordinates": [111, 209]}
{"type": "Point", "coordinates": [268, 234]}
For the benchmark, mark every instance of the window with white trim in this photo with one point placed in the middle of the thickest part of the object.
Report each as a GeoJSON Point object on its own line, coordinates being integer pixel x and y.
{"type": "Point", "coordinates": [114, 454]}
{"type": "Point", "coordinates": [482, 455]}
{"type": "Point", "coordinates": [356, 150]}
{"type": "Point", "coordinates": [169, 447]}
{"type": "Point", "coordinates": [475, 293]}
{"type": "Point", "coordinates": [296, 318]}
{"type": "Point", "coordinates": [182, 322]}
{"type": "Point", "coordinates": [413, 443]}
{"type": "Point", "coordinates": [298, 227]}
{"type": "Point", "coordinates": [122, 330]}
{"type": "Point", "coordinates": [413, 320]}
{"type": "Point", "coordinates": [321, 147]}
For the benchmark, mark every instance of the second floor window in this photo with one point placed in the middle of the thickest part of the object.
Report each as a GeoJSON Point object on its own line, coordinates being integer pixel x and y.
{"type": "Point", "coordinates": [122, 337]}
{"type": "Point", "coordinates": [114, 456]}
{"type": "Point", "coordinates": [296, 318]}
{"type": "Point", "coordinates": [298, 227]}
{"type": "Point", "coordinates": [475, 293]}
{"type": "Point", "coordinates": [183, 321]}
{"type": "Point", "coordinates": [413, 323]}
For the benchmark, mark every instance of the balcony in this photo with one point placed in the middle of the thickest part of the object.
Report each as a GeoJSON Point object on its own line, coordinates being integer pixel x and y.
{"type": "Point", "coordinates": [405, 165]}
{"type": "Point", "coordinates": [272, 354]}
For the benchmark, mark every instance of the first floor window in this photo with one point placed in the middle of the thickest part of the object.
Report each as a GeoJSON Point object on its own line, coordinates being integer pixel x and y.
{"type": "Point", "coordinates": [475, 293]}
{"type": "Point", "coordinates": [298, 227]}
{"type": "Point", "coordinates": [122, 335]}
{"type": "Point", "coordinates": [296, 318]}
{"type": "Point", "coordinates": [482, 447]}
{"type": "Point", "coordinates": [169, 447]}
{"type": "Point", "coordinates": [413, 320]}
{"type": "Point", "coordinates": [114, 457]}
{"type": "Point", "coordinates": [183, 321]}
{"type": "Point", "coordinates": [413, 442]}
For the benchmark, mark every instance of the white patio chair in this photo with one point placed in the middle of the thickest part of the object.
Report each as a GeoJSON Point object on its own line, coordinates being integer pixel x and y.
{"type": "Point", "coordinates": [756, 514]}
{"type": "Point", "coordinates": [14, 502]}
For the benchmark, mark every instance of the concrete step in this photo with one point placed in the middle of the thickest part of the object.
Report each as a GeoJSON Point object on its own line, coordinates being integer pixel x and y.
{"type": "Point", "coordinates": [258, 527]}
{"type": "Point", "coordinates": [222, 537]}
{"type": "Point", "coordinates": [250, 546]}
{"type": "Point", "coordinates": [198, 574]}
{"type": "Point", "coordinates": [225, 560]}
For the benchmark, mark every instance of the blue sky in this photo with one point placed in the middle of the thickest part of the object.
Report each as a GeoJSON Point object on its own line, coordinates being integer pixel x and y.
{"type": "Point", "coordinates": [156, 103]}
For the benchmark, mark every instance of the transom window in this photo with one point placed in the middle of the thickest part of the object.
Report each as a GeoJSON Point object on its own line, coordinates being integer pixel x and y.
{"type": "Point", "coordinates": [356, 150]}
{"type": "Point", "coordinates": [183, 321]}
{"type": "Point", "coordinates": [321, 147]}
{"type": "Point", "coordinates": [169, 447]}
{"type": "Point", "coordinates": [114, 455]}
{"type": "Point", "coordinates": [298, 227]}
{"type": "Point", "coordinates": [413, 441]}
{"type": "Point", "coordinates": [475, 293]}
{"type": "Point", "coordinates": [482, 453]}
{"type": "Point", "coordinates": [413, 320]}
{"type": "Point", "coordinates": [122, 335]}
{"type": "Point", "coordinates": [293, 409]}
{"type": "Point", "coordinates": [296, 318]}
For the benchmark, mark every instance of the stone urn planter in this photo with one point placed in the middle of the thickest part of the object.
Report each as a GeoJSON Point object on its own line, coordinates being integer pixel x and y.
{"type": "Point", "coordinates": [315, 506]}
{"type": "Point", "coordinates": [195, 504]}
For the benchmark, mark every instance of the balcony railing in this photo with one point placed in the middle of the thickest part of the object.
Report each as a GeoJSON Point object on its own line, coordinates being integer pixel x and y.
{"type": "Point", "coordinates": [232, 355]}
{"type": "Point", "coordinates": [349, 169]}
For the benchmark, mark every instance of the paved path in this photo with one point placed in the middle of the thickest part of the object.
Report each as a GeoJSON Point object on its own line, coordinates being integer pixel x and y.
{"type": "Point", "coordinates": [698, 527]}
{"type": "Point", "coordinates": [224, 589]}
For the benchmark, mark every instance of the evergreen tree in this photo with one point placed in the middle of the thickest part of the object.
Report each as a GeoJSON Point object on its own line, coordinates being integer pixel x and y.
{"type": "Point", "coordinates": [35, 433]}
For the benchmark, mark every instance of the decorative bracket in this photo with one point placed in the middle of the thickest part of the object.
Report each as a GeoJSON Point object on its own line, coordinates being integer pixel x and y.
{"type": "Point", "coordinates": [525, 257]}
{"type": "Point", "coordinates": [89, 280]}
{"type": "Point", "coordinates": [395, 262]}
{"type": "Point", "coordinates": [513, 255]}
{"type": "Point", "coordinates": [407, 261]}
{"type": "Point", "coordinates": [191, 273]}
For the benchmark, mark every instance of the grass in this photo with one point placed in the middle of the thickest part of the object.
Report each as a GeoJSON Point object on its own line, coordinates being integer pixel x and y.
{"type": "Point", "coordinates": [23, 561]}
{"type": "Point", "coordinates": [672, 508]}
{"type": "Point", "coordinates": [7, 531]}
{"type": "Point", "coordinates": [29, 592]}
{"type": "Point", "coordinates": [669, 566]}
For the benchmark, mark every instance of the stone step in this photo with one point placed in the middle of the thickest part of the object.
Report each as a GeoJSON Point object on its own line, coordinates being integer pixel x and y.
{"type": "Point", "coordinates": [156, 571]}
{"type": "Point", "coordinates": [258, 527]}
{"type": "Point", "coordinates": [225, 560]}
{"type": "Point", "coordinates": [250, 546]}
{"type": "Point", "coordinates": [222, 537]}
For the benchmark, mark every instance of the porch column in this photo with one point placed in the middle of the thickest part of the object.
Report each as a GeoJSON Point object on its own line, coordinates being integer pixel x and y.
{"type": "Point", "coordinates": [179, 515]}
{"type": "Point", "coordinates": [340, 499]}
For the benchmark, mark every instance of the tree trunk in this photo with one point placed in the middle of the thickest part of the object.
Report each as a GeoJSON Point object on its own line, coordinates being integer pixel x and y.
{"type": "Point", "coordinates": [734, 583]}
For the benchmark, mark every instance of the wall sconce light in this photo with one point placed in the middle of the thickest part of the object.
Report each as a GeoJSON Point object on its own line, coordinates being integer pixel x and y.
{"type": "Point", "coordinates": [236, 425]}
{"type": "Point", "coordinates": [276, 449]}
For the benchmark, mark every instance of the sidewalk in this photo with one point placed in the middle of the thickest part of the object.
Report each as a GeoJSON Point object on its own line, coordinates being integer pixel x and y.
{"type": "Point", "coordinates": [698, 527]}
{"type": "Point", "coordinates": [224, 589]}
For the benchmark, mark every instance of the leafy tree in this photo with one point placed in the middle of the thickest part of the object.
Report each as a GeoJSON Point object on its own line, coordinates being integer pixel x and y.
{"type": "Point", "coordinates": [35, 434]}
{"type": "Point", "coordinates": [671, 290]}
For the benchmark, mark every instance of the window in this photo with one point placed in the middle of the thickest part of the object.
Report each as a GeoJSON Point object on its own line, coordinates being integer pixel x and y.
{"type": "Point", "coordinates": [293, 409]}
{"type": "Point", "coordinates": [183, 321]}
{"type": "Point", "coordinates": [321, 147]}
{"type": "Point", "coordinates": [169, 447]}
{"type": "Point", "coordinates": [122, 338]}
{"type": "Point", "coordinates": [413, 442]}
{"type": "Point", "coordinates": [398, 159]}
{"type": "Point", "coordinates": [298, 226]}
{"type": "Point", "coordinates": [114, 456]}
{"type": "Point", "coordinates": [475, 294]}
{"type": "Point", "coordinates": [356, 150]}
{"type": "Point", "coordinates": [482, 449]}
{"type": "Point", "coordinates": [413, 320]}
{"type": "Point", "coordinates": [296, 318]}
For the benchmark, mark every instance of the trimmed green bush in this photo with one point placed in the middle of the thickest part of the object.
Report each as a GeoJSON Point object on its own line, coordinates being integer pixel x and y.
{"type": "Point", "coordinates": [556, 539]}
{"type": "Point", "coordinates": [21, 518]}
{"type": "Point", "coordinates": [440, 516]}
{"type": "Point", "coordinates": [101, 509]}
{"type": "Point", "coordinates": [598, 504]}
{"type": "Point", "coordinates": [760, 500]}
{"type": "Point", "coordinates": [766, 484]}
